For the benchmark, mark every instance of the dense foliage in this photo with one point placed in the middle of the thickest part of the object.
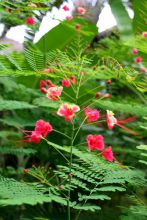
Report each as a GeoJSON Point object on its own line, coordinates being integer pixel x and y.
{"type": "Point", "coordinates": [73, 119]}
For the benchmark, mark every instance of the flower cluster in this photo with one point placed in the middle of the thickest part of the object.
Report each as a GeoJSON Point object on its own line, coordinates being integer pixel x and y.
{"type": "Point", "coordinates": [67, 82]}
{"type": "Point", "coordinates": [42, 129]}
{"type": "Point", "coordinates": [138, 59]}
{"type": "Point", "coordinates": [96, 142]}
{"type": "Point", "coordinates": [52, 91]}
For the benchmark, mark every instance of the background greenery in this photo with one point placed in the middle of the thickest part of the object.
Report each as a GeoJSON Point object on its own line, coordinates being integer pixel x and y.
{"type": "Point", "coordinates": [110, 192]}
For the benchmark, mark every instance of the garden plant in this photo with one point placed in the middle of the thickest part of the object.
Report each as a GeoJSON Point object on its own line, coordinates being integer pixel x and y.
{"type": "Point", "coordinates": [73, 114]}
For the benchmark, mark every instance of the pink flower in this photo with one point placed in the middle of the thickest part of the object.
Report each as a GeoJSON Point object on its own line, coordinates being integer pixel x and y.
{"type": "Point", "coordinates": [95, 142]}
{"type": "Point", "coordinates": [54, 92]}
{"type": "Point", "coordinates": [73, 79]}
{"type": "Point", "coordinates": [67, 111]}
{"type": "Point", "coordinates": [107, 95]}
{"type": "Point", "coordinates": [144, 34]}
{"type": "Point", "coordinates": [143, 69]}
{"type": "Point", "coordinates": [77, 26]}
{"type": "Point", "coordinates": [108, 154]}
{"type": "Point", "coordinates": [81, 10]}
{"type": "Point", "coordinates": [66, 83]}
{"type": "Point", "coordinates": [112, 121]}
{"type": "Point", "coordinates": [42, 129]}
{"type": "Point", "coordinates": [134, 51]}
{"type": "Point", "coordinates": [138, 59]}
{"type": "Point", "coordinates": [91, 115]}
{"type": "Point", "coordinates": [65, 8]}
{"type": "Point", "coordinates": [30, 21]}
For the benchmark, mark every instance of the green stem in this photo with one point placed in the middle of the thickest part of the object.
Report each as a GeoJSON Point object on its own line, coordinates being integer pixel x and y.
{"type": "Point", "coordinates": [62, 133]}
{"type": "Point", "coordinates": [78, 89]}
{"type": "Point", "coordinates": [79, 129]}
{"type": "Point", "coordinates": [89, 91]}
{"type": "Point", "coordinates": [44, 51]}
{"type": "Point", "coordinates": [68, 96]}
{"type": "Point", "coordinates": [56, 149]}
{"type": "Point", "coordinates": [70, 166]}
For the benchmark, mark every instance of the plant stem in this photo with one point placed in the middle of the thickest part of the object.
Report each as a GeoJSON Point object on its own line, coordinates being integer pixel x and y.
{"type": "Point", "coordinates": [79, 129]}
{"type": "Point", "coordinates": [62, 133]}
{"type": "Point", "coordinates": [70, 165]}
{"type": "Point", "coordinates": [56, 149]}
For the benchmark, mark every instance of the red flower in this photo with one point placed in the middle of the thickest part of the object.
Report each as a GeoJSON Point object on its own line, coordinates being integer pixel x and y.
{"type": "Point", "coordinates": [112, 121]}
{"type": "Point", "coordinates": [144, 34]}
{"type": "Point", "coordinates": [54, 92]}
{"type": "Point", "coordinates": [91, 115]}
{"type": "Point", "coordinates": [77, 26]}
{"type": "Point", "coordinates": [138, 59]}
{"type": "Point", "coordinates": [67, 111]}
{"type": "Point", "coordinates": [65, 8]}
{"type": "Point", "coordinates": [108, 154]}
{"type": "Point", "coordinates": [109, 81]}
{"type": "Point", "coordinates": [73, 79]}
{"type": "Point", "coordinates": [43, 90]}
{"type": "Point", "coordinates": [42, 83]}
{"type": "Point", "coordinates": [42, 129]}
{"type": "Point", "coordinates": [98, 94]}
{"type": "Point", "coordinates": [81, 10]}
{"type": "Point", "coordinates": [95, 142]}
{"type": "Point", "coordinates": [30, 21]}
{"type": "Point", "coordinates": [66, 83]}
{"type": "Point", "coordinates": [34, 137]}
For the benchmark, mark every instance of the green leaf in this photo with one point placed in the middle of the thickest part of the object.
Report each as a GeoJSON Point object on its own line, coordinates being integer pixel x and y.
{"type": "Point", "coordinates": [138, 42]}
{"type": "Point", "coordinates": [65, 33]}
{"type": "Point", "coordinates": [111, 188]}
{"type": "Point", "coordinates": [133, 108]}
{"type": "Point", "coordinates": [94, 197]}
{"type": "Point", "coordinates": [45, 102]}
{"type": "Point", "coordinates": [142, 147]}
{"type": "Point", "coordinates": [87, 207]}
{"type": "Point", "coordinates": [140, 15]}
{"type": "Point", "coordinates": [11, 105]}
{"type": "Point", "coordinates": [17, 151]}
{"type": "Point", "coordinates": [13, 192]}
{"type": "Point", "coordinates": [123, 20]}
